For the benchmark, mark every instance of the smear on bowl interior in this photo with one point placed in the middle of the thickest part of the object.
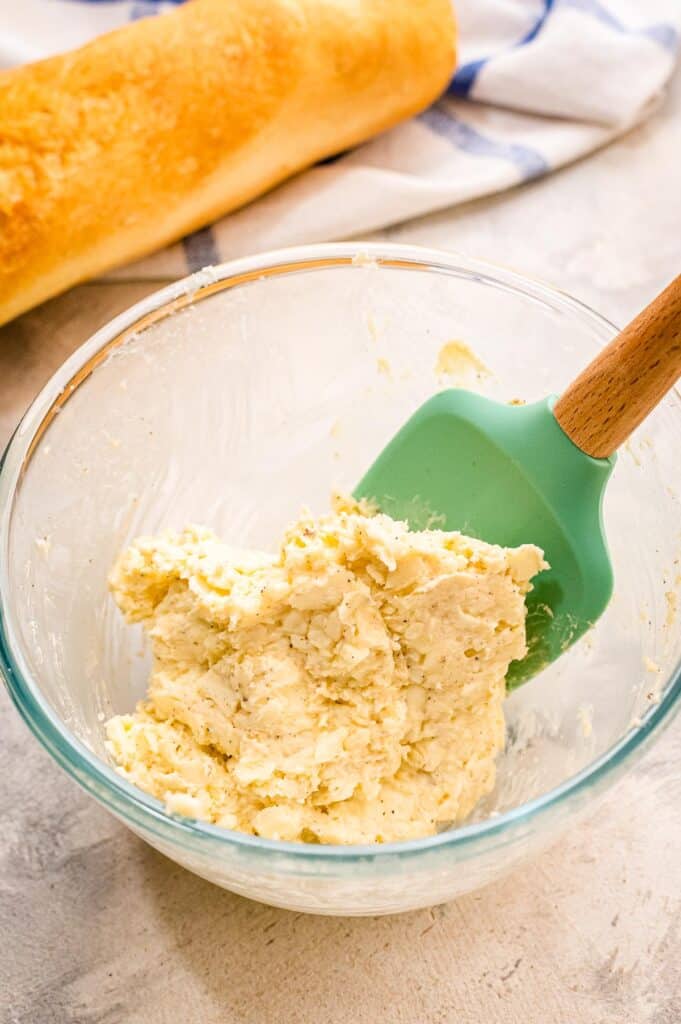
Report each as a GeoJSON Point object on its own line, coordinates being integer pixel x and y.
{"type": "Point", "coordinates": [457, 362]}
{"type": "Point", "coordinates": [348, 689]}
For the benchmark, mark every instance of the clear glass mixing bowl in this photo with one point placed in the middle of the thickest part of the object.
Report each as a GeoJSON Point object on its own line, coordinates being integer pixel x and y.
{"type": "Point", "coordinates": [235, 396]}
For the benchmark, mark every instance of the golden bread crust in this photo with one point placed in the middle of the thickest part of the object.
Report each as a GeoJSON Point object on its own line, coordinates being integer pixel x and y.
{"type": "Point", "coordinates": [149, 132]}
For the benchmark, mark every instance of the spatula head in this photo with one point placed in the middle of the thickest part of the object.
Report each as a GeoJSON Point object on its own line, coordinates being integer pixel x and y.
{"type": "Point", "coordinates": [506, 474]}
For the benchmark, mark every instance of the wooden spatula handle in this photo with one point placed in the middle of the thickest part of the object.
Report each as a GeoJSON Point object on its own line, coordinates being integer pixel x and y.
{"type": "Point", "coordinates": [608, 400]}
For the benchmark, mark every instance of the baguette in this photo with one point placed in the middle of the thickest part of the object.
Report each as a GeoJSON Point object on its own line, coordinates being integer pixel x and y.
{"type": "Point", "coordinates": [150, 132]}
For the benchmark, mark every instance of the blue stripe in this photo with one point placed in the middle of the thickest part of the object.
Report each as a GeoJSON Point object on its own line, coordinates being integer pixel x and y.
{"type": "Point", "coordinates": [464, 79]}
{"type": "Point", "coordinates": [144, 8]}
{"type": "Point", "coordinates": [663, 34]}
{"type": "Point", "coordinates": [529, 162]}
{"type": "Point", "coordinates": [200, 250]}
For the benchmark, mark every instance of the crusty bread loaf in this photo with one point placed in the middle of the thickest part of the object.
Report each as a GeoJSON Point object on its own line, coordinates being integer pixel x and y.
{"type": "Point", "coordinates": [147, 133]}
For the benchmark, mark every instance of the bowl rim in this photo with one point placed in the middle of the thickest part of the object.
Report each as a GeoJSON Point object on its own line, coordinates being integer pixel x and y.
{"type": "Point", "coordinates": [100, 779]}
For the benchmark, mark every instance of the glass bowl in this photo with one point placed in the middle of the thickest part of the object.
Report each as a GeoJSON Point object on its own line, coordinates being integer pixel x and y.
{"type": "Point", "coordinates": [237, 395]}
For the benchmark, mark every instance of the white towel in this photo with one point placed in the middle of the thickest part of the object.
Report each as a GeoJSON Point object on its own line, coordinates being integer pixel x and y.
{"type": "Point", "coordinates": [539, 83]}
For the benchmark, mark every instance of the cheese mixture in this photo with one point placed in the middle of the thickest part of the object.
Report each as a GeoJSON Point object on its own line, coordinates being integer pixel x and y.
{"type": "Point", "coordinates": [346, 690]}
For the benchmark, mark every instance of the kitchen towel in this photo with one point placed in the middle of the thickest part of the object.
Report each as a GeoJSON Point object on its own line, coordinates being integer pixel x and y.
{"type": "Point", "coordinates": [539, 83]}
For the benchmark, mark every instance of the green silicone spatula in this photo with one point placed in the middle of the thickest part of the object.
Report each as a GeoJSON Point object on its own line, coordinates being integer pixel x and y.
{"type": "Point", "coordinates": [513, 474]}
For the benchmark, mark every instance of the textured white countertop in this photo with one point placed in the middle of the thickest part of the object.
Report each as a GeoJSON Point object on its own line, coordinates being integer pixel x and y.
{"type": "Point", "coordinates": [97, 928]}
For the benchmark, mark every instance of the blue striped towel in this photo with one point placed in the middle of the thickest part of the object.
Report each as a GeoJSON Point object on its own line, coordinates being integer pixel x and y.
{"type": "Point", "coordinates": [539, 83]}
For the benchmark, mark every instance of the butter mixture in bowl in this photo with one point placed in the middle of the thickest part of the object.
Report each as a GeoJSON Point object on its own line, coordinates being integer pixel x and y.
{"type": "Point", "coordinates": [302, 695]}
{"type": "Point", "coordinates": [346, 690]}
